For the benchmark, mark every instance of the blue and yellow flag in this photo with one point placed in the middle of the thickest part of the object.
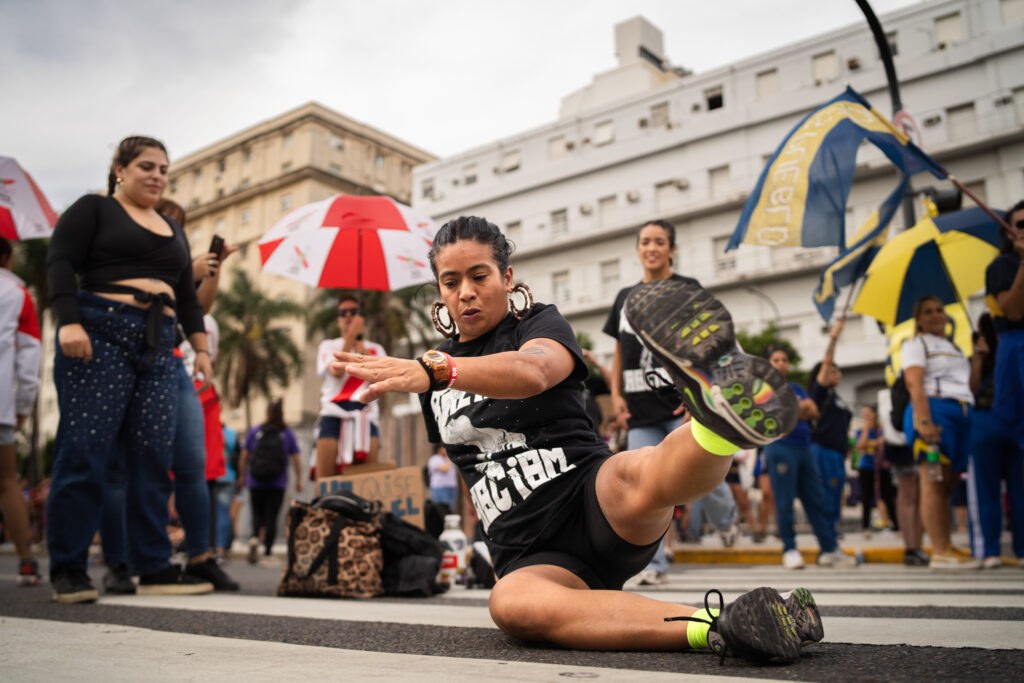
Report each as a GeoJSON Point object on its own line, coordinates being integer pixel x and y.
{"type": "Point", "coordinates": [800, 198]}
{"type": "Point", "coordinates": [851, 265]}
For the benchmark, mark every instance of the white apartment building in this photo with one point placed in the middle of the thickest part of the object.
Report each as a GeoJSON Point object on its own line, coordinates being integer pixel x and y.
{"type": "Point", "coordinates": [646, 141]}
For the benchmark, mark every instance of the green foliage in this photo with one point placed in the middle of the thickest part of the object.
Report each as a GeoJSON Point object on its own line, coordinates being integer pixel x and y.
{"type": "Point", "coordinates": [391, 317]}
{"type": "Point", "coordinates": [756, 344]}
{"type": "Point", "coordinates": [256, 347]}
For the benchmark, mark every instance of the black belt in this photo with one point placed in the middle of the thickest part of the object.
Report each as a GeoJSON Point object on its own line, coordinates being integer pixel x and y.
{"type": "Point", "coordinates": [154, 316]}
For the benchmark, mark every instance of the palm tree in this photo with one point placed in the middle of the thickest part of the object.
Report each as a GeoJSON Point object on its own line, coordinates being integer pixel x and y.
{"type": "Point", "coordinates": [391, 317]}
{"type": "Point", "coordinates": [256, 347]}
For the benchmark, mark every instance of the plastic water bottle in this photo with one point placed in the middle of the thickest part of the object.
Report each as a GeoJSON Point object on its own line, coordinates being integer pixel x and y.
{"type": "Point", "coordinates": [453, 561]}
{"type": "Point", "coordinates": [934, 463]}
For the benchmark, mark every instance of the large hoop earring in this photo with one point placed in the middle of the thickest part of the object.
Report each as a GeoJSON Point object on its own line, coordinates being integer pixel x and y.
{"type": "Point", "coordinates": [447, 330]}
{"type": "Point", "coordinates": [522, 290]}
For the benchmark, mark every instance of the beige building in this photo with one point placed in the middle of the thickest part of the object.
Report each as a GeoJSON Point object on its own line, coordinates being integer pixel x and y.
{"type": "Point", "coordinates": [240, 186]}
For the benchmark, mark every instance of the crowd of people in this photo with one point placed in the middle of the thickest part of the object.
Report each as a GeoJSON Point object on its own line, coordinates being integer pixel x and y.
{"type": "Point", "coordinates": [566, 514]}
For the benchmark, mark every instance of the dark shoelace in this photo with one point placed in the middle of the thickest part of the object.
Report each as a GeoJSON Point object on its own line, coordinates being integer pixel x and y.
{"type": "Point", "coordinates": [655, 381]}
{"type": "Point", "coordinates": [713, 624]}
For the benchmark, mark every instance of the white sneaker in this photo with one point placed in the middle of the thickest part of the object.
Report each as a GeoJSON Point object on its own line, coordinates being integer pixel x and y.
{"type": "Point", "coordinates": [792, 559]}
{"type": "Point", "coordinates": [730, 535]}
{"type": "Point", "coordinates": [953, 563]}
{"type": "Point", "coordinates": [992, 563]}
{"type": "Point", "coordinates": [836, 558]}
{"type": "Point", "coordinates": [254, 550]}
{"type": "Point", "coordinates": [650, 577]}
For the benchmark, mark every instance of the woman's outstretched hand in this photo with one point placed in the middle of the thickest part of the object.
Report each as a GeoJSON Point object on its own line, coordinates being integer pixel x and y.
{"type": "Point", "coordinates": [384, 374]}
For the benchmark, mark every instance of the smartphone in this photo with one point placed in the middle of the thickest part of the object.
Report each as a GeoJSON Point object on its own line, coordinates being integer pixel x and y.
{"type": "Point", "coordinates": [217, 246]}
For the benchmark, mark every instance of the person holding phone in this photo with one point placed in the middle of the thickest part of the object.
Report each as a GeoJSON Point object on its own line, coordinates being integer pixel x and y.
{"type": "Point", "coordinates": [349, 430]}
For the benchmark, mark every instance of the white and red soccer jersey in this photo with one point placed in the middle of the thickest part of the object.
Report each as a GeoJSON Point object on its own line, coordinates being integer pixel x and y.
{"type": "Point", "coordinates": [342, 389]}
{"type": "Point", "coordinates": [20, 348]}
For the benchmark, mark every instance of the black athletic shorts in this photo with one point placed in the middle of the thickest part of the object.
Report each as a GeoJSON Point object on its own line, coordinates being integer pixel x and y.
{"type": "Point", "coordinates": [583, 542]}
{"type": "Point", "coordinates": [733, 475]}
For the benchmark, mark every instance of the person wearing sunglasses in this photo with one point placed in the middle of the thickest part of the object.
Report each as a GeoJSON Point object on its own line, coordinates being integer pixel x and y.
{"type": "Point", "coordinates": [349, 430]}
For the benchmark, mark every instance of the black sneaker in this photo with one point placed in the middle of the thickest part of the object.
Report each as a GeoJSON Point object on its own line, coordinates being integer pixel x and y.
{"type": "Point", "coordinates": [172, 581]}
{"type": "Point", "coordinates": [118, 579]}
{"type": "Point", "coordinates": [209, 570]}
{"type": "Point", "coordinates": [755, 626]}
{"type": "Point", "coordinates": [801, 606]}
{"type": "Point", "coordinates": [916, 558]}
{"type": "Point", "coordinates": [71, 585]}
{"type": "Point", "coordinates": [741, 398]}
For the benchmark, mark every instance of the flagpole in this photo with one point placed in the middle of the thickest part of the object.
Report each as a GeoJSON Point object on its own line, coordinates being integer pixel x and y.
{"type": "Point", "coordinates": [984, 207]}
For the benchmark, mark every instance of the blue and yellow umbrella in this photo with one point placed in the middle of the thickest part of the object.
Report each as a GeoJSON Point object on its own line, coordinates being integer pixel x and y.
{"type": "Point", "coordinates": [943, 256]}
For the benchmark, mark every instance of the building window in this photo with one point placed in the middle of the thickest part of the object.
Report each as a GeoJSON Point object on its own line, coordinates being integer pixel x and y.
{"type": "Point", "coordinates": [556, 147]}
{"type": "Point", "coordinates": [244, 183]}
{"type": "Point", "coordinates": [246, 216]}
{"type": "Point", "coordinates": [949, 30]}
{"type": "Point", "coordinates": [221, 165]}
{"type": "Point", "coordinates": [609, 278]}
{"type": "Point", "coordinates": [604, 133]}
{"type": "Point", "coordinates": [894, 47]}
{"type": "Point", "coordinates": [286, 202]}
{"type": "Point", "coordinates": [714, 98]}
{"type": "Point", "coordinates": [427, 188]}
{"type": "Point", "coordinates": [724, 261]}
{"type": "Point", "coordinates": [560, 287]}
{"type": "Point", "coordinates": [767, 82]}
{"type": "Point", "coordinates": [218, 226]}
{"type": "Point", "coordinates": [513, 228]}
{"type": "Point", "coordinates": [667, 195]}
{"type": "Point", "coordinates": [286, 167]}
{"type": "Point", "coordinates": [243, 251]}
{"type": "Point", "coordinates": [335, 169]}
{"type": "Point", "coordinates": [378, 160]}
{"type": "Point", "coordinates": [608, 209]}
{"type": "Point", "coordinates": [1013, 11]}
{"type": "Point", "coordinates": [559, 222]}
{"type": "Point", "coordinates": [196, 234]}
{"type": "Point", "coordinates": [469, 174]}
{"type": "Point", "coordinates": [659, 115]}
{"type": "Point", "coordinates": [962, 122]}
{"type": "Point", "coordinates": [978, 188]}
{"type": "Point", "coordinates": [1018, 98]}
{"type": "Point", "coordinates": [287, 139]}
{"type": "Point", "coordinates": [173, 187]}
{"type": "Point", "coordinates": [336, 142]}
{"type": "Point", "coordinates": [246, 155]}
{"type": "Point", "coordinates": [510, 161]}
{"type": "Point", "coordinates": [718, 180]}
{"type": "Point", "coordinates": [197, 174]}
{"type": "Point", "coordinates": [825, 67]}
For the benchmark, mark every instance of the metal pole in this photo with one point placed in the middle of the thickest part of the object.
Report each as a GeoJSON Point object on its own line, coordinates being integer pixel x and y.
{"type": "Point", "coordinates": [894, 90]}
{"type": "Point", "coordinates": [771, 302]}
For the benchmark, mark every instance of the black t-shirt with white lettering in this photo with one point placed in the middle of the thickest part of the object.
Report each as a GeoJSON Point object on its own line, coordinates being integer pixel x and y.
{"type": "Point", "coordinates": [518, 457]}
{"type": "Point", "coordinates": [646, 405]}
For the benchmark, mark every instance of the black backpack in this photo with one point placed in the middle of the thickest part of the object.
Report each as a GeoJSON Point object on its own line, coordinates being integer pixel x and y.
{"type": "Point", "coordinates": [900, 401]}
{"type": "Point", "coordinates": [268, 456]}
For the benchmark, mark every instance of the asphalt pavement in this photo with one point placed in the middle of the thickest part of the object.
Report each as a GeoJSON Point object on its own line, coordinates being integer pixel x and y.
{"type": "Point", "coordinates": [883, 622]}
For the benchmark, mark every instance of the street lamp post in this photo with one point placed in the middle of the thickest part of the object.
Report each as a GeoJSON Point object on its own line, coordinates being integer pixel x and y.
{"type": "Point", "coordinates": [894, 90]}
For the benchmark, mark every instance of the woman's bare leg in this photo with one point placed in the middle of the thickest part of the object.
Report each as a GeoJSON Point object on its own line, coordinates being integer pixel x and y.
{"type": "Point", "coordinates": [908, 510]}
{"type": "Point", "coordinates": [326, 457]}
{"type": "Point", "coordinates": [935, 508]}
{"type": "Point", "coordinates": [561, 609]}
{"type": "Point", "coordinates": [639, 489]}
{"type": "Point", "coordinates": [12, 503]}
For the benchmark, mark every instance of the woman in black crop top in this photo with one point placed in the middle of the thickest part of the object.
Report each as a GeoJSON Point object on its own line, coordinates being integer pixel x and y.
{"type": "Point", "coordinates": [118, 273]}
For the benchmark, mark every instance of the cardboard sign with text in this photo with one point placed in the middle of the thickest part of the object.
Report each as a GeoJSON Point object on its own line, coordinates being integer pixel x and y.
{"type": "Point", "coordinates": [400, 490]}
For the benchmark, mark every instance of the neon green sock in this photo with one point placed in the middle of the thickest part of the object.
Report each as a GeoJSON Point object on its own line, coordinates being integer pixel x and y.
{"type": "Point", "coordinates": [697, 632]}
{"type": "Point", "coordinates": [710, 441]}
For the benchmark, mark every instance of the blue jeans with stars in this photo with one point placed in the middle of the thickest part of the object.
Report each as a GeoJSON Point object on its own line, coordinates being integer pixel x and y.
{"type": "Point", "coordinates": [120, 388]}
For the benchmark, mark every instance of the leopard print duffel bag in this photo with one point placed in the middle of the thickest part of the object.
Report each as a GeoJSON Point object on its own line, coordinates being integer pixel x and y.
{"type": "Point", "coordinates": [332, 554]}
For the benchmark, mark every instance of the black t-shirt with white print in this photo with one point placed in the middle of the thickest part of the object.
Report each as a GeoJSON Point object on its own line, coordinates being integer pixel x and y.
{"type": "Point", "coordinates": [646, 405]}
{"type": "Point", "coordinates": [518, 457]}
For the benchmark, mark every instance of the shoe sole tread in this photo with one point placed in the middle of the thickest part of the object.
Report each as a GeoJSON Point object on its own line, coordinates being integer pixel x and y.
{"type": "Point", "coordinates": [764, 630]}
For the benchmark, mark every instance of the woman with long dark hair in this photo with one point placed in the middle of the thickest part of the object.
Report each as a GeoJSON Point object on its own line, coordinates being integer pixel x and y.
{"type": "Point", "coordinates": [567, 522]}
{"type": "Point", "coordinates": [119, 274]}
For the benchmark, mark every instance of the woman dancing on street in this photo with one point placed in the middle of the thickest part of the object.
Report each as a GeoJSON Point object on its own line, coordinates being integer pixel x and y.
{"type": "Point", "coordinates": [566, 521]}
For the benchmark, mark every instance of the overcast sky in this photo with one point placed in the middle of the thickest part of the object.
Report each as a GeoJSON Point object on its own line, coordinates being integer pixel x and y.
{"type": "Point", "coordinates": [445, 75]}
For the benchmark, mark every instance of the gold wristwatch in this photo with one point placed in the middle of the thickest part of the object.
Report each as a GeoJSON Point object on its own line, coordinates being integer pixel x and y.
{"type": "Point", "coordinates": [438, 368]}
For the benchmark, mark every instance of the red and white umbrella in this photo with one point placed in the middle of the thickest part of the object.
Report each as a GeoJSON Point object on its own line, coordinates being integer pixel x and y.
{"type": "Point", "coordinates": [24, 212]}
{"type": "Point", "coordinates": [350, 242]}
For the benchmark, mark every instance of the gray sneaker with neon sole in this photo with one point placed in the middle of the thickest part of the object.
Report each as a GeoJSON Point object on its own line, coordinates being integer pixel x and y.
{"type": "Point", "coordinates": [739, 397]}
